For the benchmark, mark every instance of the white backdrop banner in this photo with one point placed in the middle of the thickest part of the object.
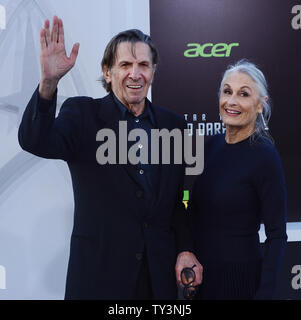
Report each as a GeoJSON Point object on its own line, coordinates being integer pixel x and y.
{"type": "Point", "coordinates": [36, 200]}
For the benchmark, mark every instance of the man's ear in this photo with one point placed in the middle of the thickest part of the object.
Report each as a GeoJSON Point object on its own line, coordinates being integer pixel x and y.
{"type": "Point", "coordinates": [154, 68]}
{"type": "Point", "coordinates": [107, 74]}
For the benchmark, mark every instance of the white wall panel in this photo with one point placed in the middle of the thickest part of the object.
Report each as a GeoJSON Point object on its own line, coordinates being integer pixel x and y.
{"type": "Point", "coordinates": [36, 200]}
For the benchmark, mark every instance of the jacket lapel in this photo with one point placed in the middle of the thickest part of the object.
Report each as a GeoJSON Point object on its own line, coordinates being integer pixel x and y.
{"type": "Point", "coordinates": [163, 122]}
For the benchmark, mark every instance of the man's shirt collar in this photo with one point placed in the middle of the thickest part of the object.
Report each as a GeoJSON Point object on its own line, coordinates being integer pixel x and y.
{"type": "Point", "coordinates": [147, 112]}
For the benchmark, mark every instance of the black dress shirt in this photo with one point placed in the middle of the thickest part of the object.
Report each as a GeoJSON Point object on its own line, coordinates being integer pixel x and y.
{"type": "Point", "coordinates": [147, 174]}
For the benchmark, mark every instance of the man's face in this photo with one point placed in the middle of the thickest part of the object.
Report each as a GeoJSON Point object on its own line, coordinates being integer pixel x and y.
{"type": "Point", "coordinates": [131, 74]}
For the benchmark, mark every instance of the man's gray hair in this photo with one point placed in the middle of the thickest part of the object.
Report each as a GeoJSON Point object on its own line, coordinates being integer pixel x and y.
{"type": "Point", "coordinates": [132, 36]}
{"type": "Point", "coordinates": [250, 69]}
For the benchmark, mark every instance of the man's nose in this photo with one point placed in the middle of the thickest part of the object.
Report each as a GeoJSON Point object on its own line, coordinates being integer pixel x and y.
{"type": "Point", "coordinates": [135, 73]}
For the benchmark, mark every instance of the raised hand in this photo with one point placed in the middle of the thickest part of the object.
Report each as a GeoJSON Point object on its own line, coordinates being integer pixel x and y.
{"type": "Point", "coordinates": [54, 61]}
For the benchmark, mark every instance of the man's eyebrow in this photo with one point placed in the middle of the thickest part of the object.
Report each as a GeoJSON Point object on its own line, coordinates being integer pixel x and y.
{"type": "Point", "coordinates": [123, 61]}
{"type": "Point", "coordinates": [129, 62]}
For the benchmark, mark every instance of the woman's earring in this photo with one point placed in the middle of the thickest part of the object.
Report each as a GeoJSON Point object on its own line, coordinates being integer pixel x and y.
{"type": "Point", "coordinates": [264, 123]}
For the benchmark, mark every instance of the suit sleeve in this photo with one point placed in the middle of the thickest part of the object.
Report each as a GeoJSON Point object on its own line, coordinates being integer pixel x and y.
{"type": "Point", "coordinates": [46, 136]}
{"type": "Point", "coordinates": [272, 194]}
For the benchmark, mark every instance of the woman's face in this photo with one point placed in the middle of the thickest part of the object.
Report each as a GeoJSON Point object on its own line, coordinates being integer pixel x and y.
{"type": "Point", "coordinates": [239, 102]}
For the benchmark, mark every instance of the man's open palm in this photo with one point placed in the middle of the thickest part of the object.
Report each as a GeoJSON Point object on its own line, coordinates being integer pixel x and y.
{"type": "Point", "coordinates": [54, 61]}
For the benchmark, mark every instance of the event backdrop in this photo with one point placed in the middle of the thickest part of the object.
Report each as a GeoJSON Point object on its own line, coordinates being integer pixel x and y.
{"type": "Point", "coordinates": [36, 201]}
{"type": "Point", "coordinates": [197, 40]}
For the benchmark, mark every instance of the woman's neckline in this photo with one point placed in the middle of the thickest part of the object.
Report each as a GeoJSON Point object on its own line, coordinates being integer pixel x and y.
{"type": "Point", "coordinates": [236, 143]}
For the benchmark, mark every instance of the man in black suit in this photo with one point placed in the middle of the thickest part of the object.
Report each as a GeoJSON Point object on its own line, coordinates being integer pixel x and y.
{"type": "Point", "coordinates": [130, 228]}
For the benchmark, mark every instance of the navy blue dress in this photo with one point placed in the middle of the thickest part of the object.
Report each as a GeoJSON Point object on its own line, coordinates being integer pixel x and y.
{"type": "Point", "coordinates": [242, 185]}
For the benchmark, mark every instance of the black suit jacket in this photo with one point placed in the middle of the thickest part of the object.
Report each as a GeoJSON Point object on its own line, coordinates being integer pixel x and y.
{"type": "Point", "coordinates": [110, 233]}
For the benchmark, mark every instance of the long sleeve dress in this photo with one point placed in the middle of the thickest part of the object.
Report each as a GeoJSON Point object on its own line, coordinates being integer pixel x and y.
{"type": "Point", "coordinates": [242, 185]}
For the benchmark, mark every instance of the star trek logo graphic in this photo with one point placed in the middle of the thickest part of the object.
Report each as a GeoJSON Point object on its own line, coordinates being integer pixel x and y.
{"type": "Point", "coordinates": [2, 278]}
{"type": "Point", "coordinates": [197, 123]}
{"type": "Point", "coordinates": [2, 17]}
{"type": "Point", "coordinates": [296, 21]}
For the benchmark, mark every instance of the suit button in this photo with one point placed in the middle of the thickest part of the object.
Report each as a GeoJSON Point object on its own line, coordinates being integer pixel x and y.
{"type": "Point", "coordinates": [139, 194]}
{"type": "Point", "coordinates": [139, 256]}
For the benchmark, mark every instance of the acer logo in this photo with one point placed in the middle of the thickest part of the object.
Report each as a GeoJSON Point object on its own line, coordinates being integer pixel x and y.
{"type": "Point", "coordinates": [208, 50]}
